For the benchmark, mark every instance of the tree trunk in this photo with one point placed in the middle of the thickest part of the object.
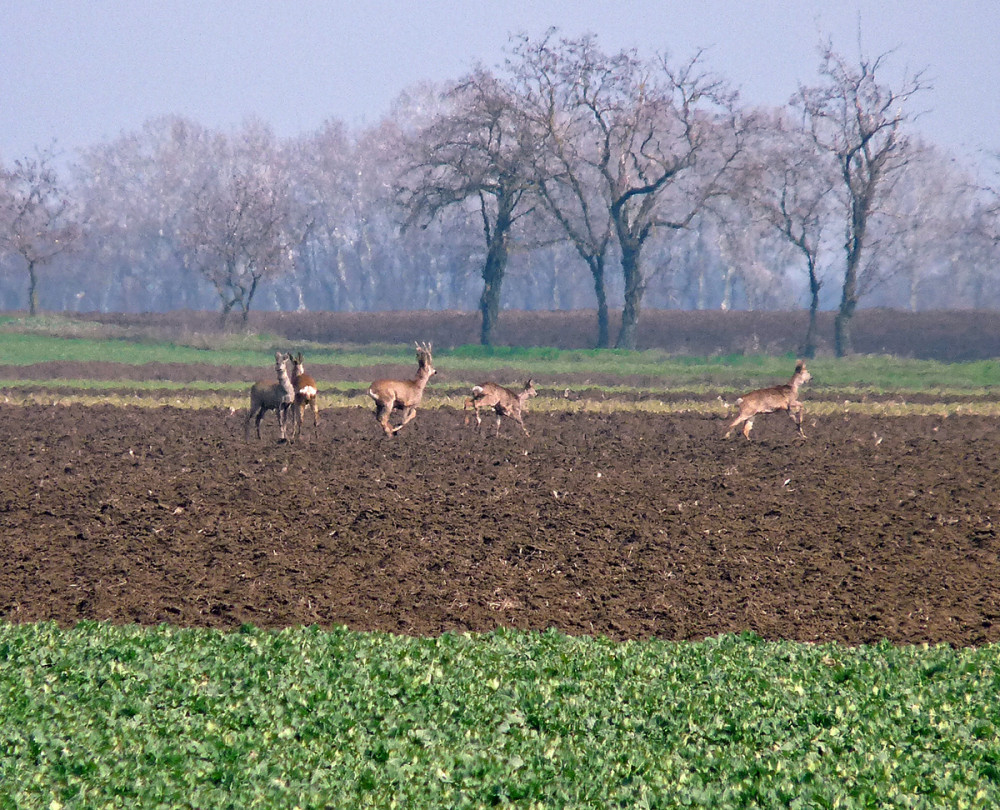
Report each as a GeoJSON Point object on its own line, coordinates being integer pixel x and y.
{"type": "Point", "coordinates": [843, 343]}
{"type": "Point", "coordinates": [493, 272]}
{"type": "Point", "coordinates": [603, 329]}
{"type": "Point", "coordinates": [495, 266]}
{"type": "Point", "coordinates": [227, 307]}
{"type": "Point", "coordinates": [842, 333]}
{"type": "Point", "coordinates": [247, 299]}
{"type": "Point", "coordinates": [633, 299]}
{"type": "Point", "coordinates": [489, 308]}
{"type": "Point", "coordinates": [809, 349]}
{"type": "Point", "coordinates": [32, 290]}
{"type": "Point", "coordinates": [842, 340]}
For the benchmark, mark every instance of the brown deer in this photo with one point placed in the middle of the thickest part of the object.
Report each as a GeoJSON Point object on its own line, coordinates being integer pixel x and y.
{"type": "Point", "coordinates": [402, 395]}
{"type": "Point", "coordinates": [769, 400]}
{"type": "Point", "coordinates": [503, 401]}
{"type": "Point", "coordinates": [269, 396]}
{"type": "Point", "coordinates": [305, 394]}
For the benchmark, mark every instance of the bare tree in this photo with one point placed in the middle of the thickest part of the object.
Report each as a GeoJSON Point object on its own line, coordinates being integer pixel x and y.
{"type": "Point", "coordinates": [237, 229]}
{"type": "Point", "coordinates": [135, 191]}
{"type": "Point", "coordinates": [546, 74]}
{"type": "Point", "coordinates": [792, 190]}
{"type": "Point", "coordinates": [861, 122]}
{"type": "Point", "coordinates": [659, 138]}
{"type": "Point", "coordinates": [36, 217]}
{"type": "Point", "coordinates": [478, 150]}
{"type": "Point", "coordinates": [926, 230]}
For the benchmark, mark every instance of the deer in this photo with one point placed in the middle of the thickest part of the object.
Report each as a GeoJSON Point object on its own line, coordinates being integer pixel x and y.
{"type": "Point", "coordinates": [268, 396]}
{"type": "Point", "coordinates": [402, 395]}
{"type": "Point", "coordinates": [305, 394]}
{"type": "Point", "coordinates": [768, 400]}
{"type": "Point", "coordinates": [503, 401]}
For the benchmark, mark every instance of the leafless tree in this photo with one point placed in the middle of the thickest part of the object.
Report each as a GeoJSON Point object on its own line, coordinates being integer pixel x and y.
{"type": "Point", "coordinates": [37, 221]}
{"type": "Point", "coordinates": [135, 190]}
{"type": "Point", "coordinates": [479, 150]}
{"type": "Point", "coordinates": [925, 232]}
{"type": "Point", "coordinates": [658, 138]}
{"type": "Point", "coordinates": [862, 123]}
{"type": "Point", "coordinates": [546, 74]}
{"type": "Point", "coordinates": [792, 191]}
{"type": "Point", "coordinates": [237, 231]}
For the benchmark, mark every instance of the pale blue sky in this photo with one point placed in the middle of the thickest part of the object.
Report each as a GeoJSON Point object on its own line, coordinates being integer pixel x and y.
{"type": "Point", "coordinates": [78, 72]}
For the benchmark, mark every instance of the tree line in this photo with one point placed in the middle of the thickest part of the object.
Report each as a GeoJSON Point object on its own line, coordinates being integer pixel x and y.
{"type": "Point", "coordinates": [565, 177]}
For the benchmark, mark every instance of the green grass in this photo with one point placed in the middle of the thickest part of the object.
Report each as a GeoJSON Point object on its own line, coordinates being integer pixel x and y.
{"type": "Point", "coordinates": [857, 375]}
{"type": "Point", "coordinates": [100, 715]}
{"type": "Point", "coordinates": [21, 349]}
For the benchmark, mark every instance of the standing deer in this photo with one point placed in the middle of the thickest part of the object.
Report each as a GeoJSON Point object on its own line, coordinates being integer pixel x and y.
{"type": "Point", "coordinates": [268, 396]}
{"type": "Point", "coordinates": [305, 394]}
{"type": "Point", "coordinates": [502, 400]}
{"type": "Point", "coordinates": [402, 395]}
{"type": "Point", "coordinates": [769, 400]}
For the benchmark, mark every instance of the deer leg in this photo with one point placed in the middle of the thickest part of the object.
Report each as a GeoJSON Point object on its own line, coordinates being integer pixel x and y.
{"type": "Point", "coordinates": [260, 415]}
{"type": "Point", "coordinates": [520, 421]}
{"type": "Point", "coordinates": [479, 419]}
{"type": "Point", "coordinates": [382, 412]}
{"type": "Point", "coordinates": [733, 424]}
{"type": "Point", "coordinates": [797, 412]}
{"type": "Point", "coordinates": [314, 403]}
{"type": "Point", "coordinates": [747, 427]}
{"type": "Point", "coordinates": [282, 411]}
{"type": "Point", "coordinates": [408, 416]}
{"type": "Point", "coordinates": [248, 420]}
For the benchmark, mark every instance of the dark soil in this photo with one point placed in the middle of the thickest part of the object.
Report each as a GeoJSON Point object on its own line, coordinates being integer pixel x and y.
{"type": "Point", "coordinates": [946, 335]}
{"type": "Point", "coordinates": [622, 524]}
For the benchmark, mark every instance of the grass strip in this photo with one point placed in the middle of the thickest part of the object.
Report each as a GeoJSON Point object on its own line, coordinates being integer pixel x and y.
{"type": "Point", "coordinates": [873, 374]}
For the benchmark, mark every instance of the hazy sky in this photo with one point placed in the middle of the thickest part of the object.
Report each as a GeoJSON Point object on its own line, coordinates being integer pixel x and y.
{"type": "Point", "coordinates": [77, 72]}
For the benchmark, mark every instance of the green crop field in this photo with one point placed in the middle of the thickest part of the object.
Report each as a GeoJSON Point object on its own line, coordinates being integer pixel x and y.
{"type": "Point", "coordinates": [105, 716]}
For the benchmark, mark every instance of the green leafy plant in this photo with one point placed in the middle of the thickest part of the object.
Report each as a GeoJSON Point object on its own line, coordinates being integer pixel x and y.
{"type": "Point", "coordinates": [101, 715]}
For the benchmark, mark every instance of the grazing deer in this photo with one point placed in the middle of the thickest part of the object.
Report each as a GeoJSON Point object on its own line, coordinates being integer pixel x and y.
{"type": "Point", "coordinates": [305, 394]}
{"type": "Point", "coordinates": [502, 400]}
{"type": "Point", "coordinates": [769, 400]}
{"type": "Point", "coordinates": [268, 396]}
{"type": "Point", "coordinates": [402, 395]}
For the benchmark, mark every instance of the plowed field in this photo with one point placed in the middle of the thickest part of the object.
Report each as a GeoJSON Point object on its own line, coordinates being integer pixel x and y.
{"type": "Point", "coordinates": [625, 524]}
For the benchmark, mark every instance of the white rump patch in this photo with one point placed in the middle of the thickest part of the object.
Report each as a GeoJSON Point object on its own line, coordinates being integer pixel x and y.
{"type": "Point", "coordinates": [308, 390]}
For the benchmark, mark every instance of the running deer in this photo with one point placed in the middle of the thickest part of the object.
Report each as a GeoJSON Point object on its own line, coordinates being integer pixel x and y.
{"type": "Point", "coordinates": [769, 400]}
{"type": "Point", "coordinates": [502, 400]}
{"type": "Point", "coordinates": [268, 396]}
{"type": "Point", "coordinates": [305, 394]}
{"type": "Point", "coordinates": [402, 395]}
